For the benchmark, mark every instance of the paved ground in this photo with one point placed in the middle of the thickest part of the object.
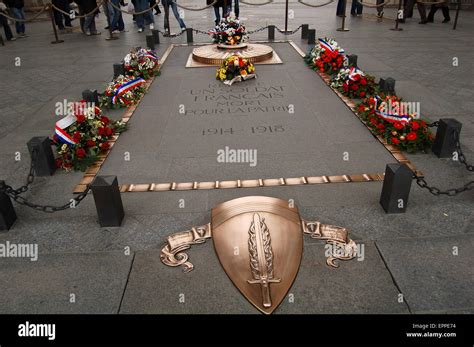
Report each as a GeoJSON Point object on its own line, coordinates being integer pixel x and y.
{"type": "Point", "coordinates": [423, 254]}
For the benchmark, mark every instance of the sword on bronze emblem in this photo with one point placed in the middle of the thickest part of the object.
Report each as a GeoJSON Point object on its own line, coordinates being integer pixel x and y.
{"type": "Point", "coordinates": [261, 257]}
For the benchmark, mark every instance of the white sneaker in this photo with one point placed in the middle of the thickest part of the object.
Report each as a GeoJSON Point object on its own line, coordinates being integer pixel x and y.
{"type": "Point", "coordinates": [140, 30]}
{"type": "Point", "coordinates": [116, 32]}
{"type": "Point", "coordinates": [152, 26]}
{"type": "Point", "coordinates": [183, 29]}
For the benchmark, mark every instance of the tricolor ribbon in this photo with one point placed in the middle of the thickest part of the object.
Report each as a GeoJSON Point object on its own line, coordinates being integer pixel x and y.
{"type": "Point", "coordinates": [327, 46]}
{"type": "Point", "coordinates": [391, 117]}
{"type": "Point", "coordinates": [126, 87]}
{"type": "Point", "coordinates": [63, 124]}
{"type": "Point", "coordinates": [353, 71]}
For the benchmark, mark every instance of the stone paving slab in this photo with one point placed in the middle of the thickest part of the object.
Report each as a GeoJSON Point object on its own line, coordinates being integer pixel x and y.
{"type": "Point", "coordinates": [430, 275]}
{"type": "Point", "coordinates": [356, 287]}
{"type": "Point", "coordinates": [193, 139]}
{"type": "Point", "coordinates": [97, 280]}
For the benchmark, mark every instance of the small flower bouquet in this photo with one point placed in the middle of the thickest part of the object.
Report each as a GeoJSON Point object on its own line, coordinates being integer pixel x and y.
{"type": "Point", "coordinates": [82, 135]}
{"type": "Point", "coordinates": [353, 83]}
{"type": "Point", "coordinates": [235, 69]}
{"type": "Point", "coordinates": [123, 91]}
{"type": "Point", "coordinates": [327, 56]}
{"type": "Point", "coordinates": [229, 32]}
{"type": "Point", "coordinates": [141, 62]}
{"type": "Point", "coordinates": [401, 129]}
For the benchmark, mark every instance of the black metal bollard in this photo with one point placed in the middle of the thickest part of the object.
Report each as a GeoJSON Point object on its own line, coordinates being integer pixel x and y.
{"type": "Point", "coordinates": [311, 36]}
{"type": "Point", "coordinates": [387, 85]}
{"type": "Point", "coordinates": [304, 31]}
{"type": "Point", "coordinates": [91, 96]}
{"type": "Point", "coordinates": [352, 60]}
{"type": "Point", "coordinates": [119, 69]}
{"type": "Point", "coordinates": [150, 42]}
{"type": "Point", "coordinates": [189, 35]}
{"type": "Point", "coordinates": [43, 157]}
{"type": "Point", "coordinates": [108, 201]}
{"type": "Point", "coordinates": [396, 188]}
{"type": "Point", "coordinates": [444, 144]}
{"type": "Point", "coordinates": [271, 33]}
{"type": "Point", "coordinates": [7, 212]}
{"type": "Point", "coordinates": [156, 36]}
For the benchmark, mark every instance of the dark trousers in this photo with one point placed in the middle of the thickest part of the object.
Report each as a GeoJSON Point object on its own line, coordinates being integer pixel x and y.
{"type": "Point", "coordinates": [434, 8]}
{"type": "Point", "coordinates": [6, 27]}
{"type": "Point", "coordinates": [408, 10]}
{"type": "Point", "coordinates": [236, 7]}
{"type": "Point", "coordinates": [58, 16]}
{"type": "Point", "coordinates": [356, 8]}
{"type": "Point", "coordinates": [157, 8]}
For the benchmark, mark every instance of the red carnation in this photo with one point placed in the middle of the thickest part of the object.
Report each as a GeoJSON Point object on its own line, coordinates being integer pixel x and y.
{"type": "Point", "coordinates": [58, 162]}
{"type": "Point", "coordinates": [363, 81]}
{"type": "Point", "coordinates": [361, 108]}
{"type": "Point", "coordinates": [105, 120]}
{"type": "Point", "coordinates": [105, 146]}
{"type": "Point", "coordinates": [415, 125]}
{"type": "Point", "coordinates": [398, 125]}
{"type": "Point", "coordinates": [354, 87]}
{"type": "Point", "coordinates": [411, 136]}
{"type": "Point", "coordinates": [97, 110]}
{"type": "Point", "coordinates": [77, 136]}
{"type": "Point", "coordinates": [55, 138]}
{"type": "Point", "coordinates": [362, 94]}
{"type": "Point", "coordinates": [101, 131]}
{"type": "Point", "coordinates": [345, 87]}
{"type": "Point", "coordinates": [90, 143]}
{"type": "Point", "coordinates": [80, 152]}
{"type": "Point", "coordinates": [395, 141]}
{"type": "Point", "coordinates": [381, 126]}
{"type": "Point", "coordinates": [80, 118]}
{"type": "Point", "coordinates": [108, 131]}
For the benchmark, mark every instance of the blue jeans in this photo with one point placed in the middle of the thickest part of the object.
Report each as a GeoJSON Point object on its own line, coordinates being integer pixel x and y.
{"type": "Point", "coordinates": [166, 5]}
{"type": "Point", "coordinates": [116, 19]}
{"type": "Point", "coordinates": [225, 12]}
{"type": "Point", "coordinates": [236, 7]}
{"type": "Point", "coordinates": [19, 13]}
{"type": "Point", "coordinates": [146, 18]}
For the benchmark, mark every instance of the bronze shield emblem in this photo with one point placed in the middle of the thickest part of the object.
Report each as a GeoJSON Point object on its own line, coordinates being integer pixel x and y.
{"type": "Point", "coordinates": [259, 242]}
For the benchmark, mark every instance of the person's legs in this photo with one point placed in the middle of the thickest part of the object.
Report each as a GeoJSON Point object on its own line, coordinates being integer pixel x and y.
{"type": "Point", "coordinates": [67, 8]}
{"type": "Point", "coordinates": [433, 10]}
{"type": "Point", "coordinates": [340, 8]}
{"type": "Point", "coordinates": [89, 24]}
{"type": "Point", "coordinates": [380, 8]}
{"type": "Point", "coordinates": [176, 15]}
{"type": "Point", "coordinates": [236, 8]}
{"type": "Point", "coordinates": [166, 8]}
{"type": "Point", "coordinates": [58, 18]}
{"type": "Point", "coordinates": [140, 5]}
{"type": "Point", "coordinates": [6, 28]}
{"type": "Point", "coordinates": [422, 12]}
{"type": "Point", "coordinates": [446, 16]}
{"type": "Point", "coordinates": [354, 7]}
{"type": "Point", "coordinates": [408, 10]}
{"type": "Point", "coordinates": [113, 14]}
{"type": "Point", "coordinates": [217, 15]}
{"type": "Point", "coordinates": [17, 14]}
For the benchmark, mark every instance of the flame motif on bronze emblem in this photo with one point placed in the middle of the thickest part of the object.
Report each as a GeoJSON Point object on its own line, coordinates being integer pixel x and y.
{"type": "Point", "coordinates": [261, 257]}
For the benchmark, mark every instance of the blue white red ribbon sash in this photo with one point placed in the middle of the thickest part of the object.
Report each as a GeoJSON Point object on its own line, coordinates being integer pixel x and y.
{"type": "Point", "coordinates": [391, 117]}
{"type": "Point", "coordinates": [63, 124]}
{"type": "Point", "coordinates": [126, 87]}
{"type": "Point", "coordinates": [327, 46]}
{"type": "Point", "coordinates": [353, 71]}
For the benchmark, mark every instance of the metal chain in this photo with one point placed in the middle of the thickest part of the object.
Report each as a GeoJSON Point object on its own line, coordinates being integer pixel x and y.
{"type": "Point", "coordinates": [462, 159]}
{"type": "Point", "coordinates": [197, 31]}
{"type": "Point", "coordinates": [256, 30]}
{"type": "Point", "coordinates": [289, 32]}
{"type": "Point", "coordinates": [15, 194]}
{"type": "Point", "coordinates": [165, 34]}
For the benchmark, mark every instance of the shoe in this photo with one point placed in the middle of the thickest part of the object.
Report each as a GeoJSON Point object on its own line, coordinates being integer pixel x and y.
{"type": "Point", "coordinates": [430, 20]}
{"type": "Point", "coordinates": [116, 32]}
{"type": "Point", "coordinates": [423, 22]}
{"type": "Point", "coordinates": [140, 30]}
{"type": "Point", "coordinates": [12, 39]}
{"type": "Point", "coordinates": [106, 28]}
{"type": "Point", "coordinates": [447, 20]}
{"type": "Point", "coordinates": [152, 26]}
{"type": "Point", "coordinates": [380, 15]}
{"type": "Point", "coordinates": [96, 33]}
{"type": "Point", "coordinates": [22, 35]}
{"type": "Point", "coordinates": [183, 29]}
